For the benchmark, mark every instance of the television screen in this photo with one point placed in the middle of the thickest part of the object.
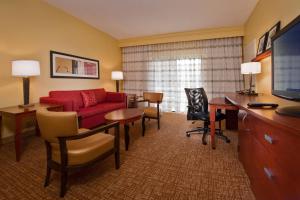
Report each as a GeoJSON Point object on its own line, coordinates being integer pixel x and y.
{"type": "Point", "coordinates": [286, 62]}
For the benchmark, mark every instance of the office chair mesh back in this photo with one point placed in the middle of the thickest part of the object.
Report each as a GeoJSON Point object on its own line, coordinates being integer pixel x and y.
{"type": "Point", "coordinates": [197, 102]}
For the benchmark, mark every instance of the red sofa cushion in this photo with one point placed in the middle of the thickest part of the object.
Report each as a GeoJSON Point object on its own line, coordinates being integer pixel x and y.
{"type": "Point", "coordinates": [100, 108]}
{"type": "Point", "coordinates": [75, 96]}
{"type": "Point", "coordinates": [115, 97]}
{"type": "Point", "coordinates": [89, 98]}
{"type": "Point", "coordinates": [67, 104]}
{"type": "Point", "coordinates": [100, 95]}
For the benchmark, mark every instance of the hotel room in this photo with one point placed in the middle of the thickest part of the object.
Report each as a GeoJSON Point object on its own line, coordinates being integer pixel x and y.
{"type": "Point", "coordinates": [131, 99]}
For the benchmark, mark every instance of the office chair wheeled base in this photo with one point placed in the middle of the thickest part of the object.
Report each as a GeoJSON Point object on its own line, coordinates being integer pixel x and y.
{"type": "Point", "coordinates": [205, 132]}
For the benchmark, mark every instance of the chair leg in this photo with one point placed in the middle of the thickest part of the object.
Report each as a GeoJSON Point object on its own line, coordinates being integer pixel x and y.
{"type": "Point", "coordinates": [158, 123]}
{"type": "Point", "coordinates": [206, 129]}
{"type": "Point", "coordinates": [48, 174]}
{"type": "Point", "coordinates": [220, 135]}
{"type": "Point", "coordinates": [63, 182]}
{"type": "Point", "coordinates": [204, 139]}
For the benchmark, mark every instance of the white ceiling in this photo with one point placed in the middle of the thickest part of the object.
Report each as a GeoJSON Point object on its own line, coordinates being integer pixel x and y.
{"type": "Point", "coordinates": [124, 19]}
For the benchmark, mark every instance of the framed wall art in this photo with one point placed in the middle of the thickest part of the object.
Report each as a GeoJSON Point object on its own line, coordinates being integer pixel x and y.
{"type": "Point", "coordinates": [64, 65]}
{"type": "Point", "coordinates": [275, 29]}
{"type": "Point", "coordinates": [262, 44]}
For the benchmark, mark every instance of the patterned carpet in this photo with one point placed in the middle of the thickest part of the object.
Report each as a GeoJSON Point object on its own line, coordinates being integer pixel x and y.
{"type": "Point", "coordinates": [164, 164]}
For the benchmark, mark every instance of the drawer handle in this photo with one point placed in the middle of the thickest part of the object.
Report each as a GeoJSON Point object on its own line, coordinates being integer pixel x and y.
{"type": "Point", "coordinates": [268, 138]}
{"type": "Point", "coordinates": [268, 172]}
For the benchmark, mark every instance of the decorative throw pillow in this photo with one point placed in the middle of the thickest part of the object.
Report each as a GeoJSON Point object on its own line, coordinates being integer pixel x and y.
{"type": "Point", "coordinates": [89, 98]}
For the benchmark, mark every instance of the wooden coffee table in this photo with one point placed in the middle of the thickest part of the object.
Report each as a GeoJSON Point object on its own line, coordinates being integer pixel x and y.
{"type": "Point", "coordinates": [125, 117]}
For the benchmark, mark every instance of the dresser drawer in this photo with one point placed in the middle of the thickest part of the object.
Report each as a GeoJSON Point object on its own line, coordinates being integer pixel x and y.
{"type": "Point", "coordinates": [269, 180]}
{"type": "Point", "coordinates": [245, 141]}
{"type": "Point", "coordinates": [283, 146]}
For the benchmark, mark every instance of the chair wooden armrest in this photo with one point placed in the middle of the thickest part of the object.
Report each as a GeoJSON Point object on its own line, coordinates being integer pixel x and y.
{"type": "Point", "coordinates": [142, 100]}
{"type": "Point", "coordinates": [92, 132]}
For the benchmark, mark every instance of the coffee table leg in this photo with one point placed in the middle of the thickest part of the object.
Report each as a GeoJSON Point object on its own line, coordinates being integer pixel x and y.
{"type": "Point", "coordinates": [143, 126]}
{"type": "Point", "coordinates": [126, 127]}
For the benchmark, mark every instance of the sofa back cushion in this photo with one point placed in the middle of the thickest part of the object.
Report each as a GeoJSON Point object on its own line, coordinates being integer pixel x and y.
{"type": "Point", "coordinates": [89, 98]}
{"type": "Point", "coordinates": [100, 95]}
{"type": "Point", "coordinates": [73, 95]}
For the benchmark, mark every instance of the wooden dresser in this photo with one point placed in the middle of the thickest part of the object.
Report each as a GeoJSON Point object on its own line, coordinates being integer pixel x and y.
{"type": "Point", "coordinates": [269, 148]}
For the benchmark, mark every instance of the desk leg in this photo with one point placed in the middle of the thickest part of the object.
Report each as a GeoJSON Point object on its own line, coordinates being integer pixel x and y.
{"type": "Point", "coordinates": [126, 128]}
{"type": "Point", "coordinates": [18, 138]}
{"type": "Point", "coordinates": [212, 116]}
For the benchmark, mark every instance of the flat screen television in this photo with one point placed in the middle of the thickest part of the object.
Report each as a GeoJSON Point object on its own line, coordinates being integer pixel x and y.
{"type": "Point", "coordinates": [286, 65]}
{"type": "Point", "coordinates": [286, 62]}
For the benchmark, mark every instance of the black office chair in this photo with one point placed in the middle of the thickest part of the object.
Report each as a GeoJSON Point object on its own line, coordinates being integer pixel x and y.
{"type": "Point", "coordinates": [198, 110]}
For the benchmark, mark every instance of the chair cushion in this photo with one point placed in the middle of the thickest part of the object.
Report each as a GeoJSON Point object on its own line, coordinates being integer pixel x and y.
{"type": "Point", "coordinates": [205, 116]}
{"type": "Point", "coordinates": [150, 112]}
{"type": "Point", "coordinates": [86, 149]}
{"type": "Point", "coordinates": [89, 98]}
{"type": "Point", "coordinates": [100, 108]}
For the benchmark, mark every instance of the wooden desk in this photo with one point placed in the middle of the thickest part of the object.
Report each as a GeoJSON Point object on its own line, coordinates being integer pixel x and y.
{"type": "Point", "coordinates": [214, 104]}
{"type": "Point", "coordinates": [19, 114]}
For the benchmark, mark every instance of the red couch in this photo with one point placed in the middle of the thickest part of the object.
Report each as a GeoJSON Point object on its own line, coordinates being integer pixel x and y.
{"type": "Point", "coordinates": [93, 116]}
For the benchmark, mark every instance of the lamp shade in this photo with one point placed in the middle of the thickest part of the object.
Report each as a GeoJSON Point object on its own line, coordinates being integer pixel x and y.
{"type": "Point", "coordinates": [251, 68]}
{"type": "Point", "coordinates": [25, 68]}
{"type": "Point", "coordinates": [117, 75]}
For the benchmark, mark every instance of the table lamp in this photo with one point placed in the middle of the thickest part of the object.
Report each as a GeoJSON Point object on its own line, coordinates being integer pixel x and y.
{"type": "Point", "coordinates": [117, 76]}
{"type": "Point", "coordinates": [25, 69]}
{"type": "Point", "coordinates": [251, 68]}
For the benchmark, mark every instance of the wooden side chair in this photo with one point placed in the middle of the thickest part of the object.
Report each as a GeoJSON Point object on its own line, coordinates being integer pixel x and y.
{"type": "Point", "coordinates": [152, 112]}
{"type": "Point", "coordinates": [71, 148]}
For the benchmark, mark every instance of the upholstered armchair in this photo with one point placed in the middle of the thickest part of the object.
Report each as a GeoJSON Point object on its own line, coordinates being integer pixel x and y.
{"type": "Point", "coordinates": [152, 112]}
{"type": "Point", "coordinates": [69, 147]}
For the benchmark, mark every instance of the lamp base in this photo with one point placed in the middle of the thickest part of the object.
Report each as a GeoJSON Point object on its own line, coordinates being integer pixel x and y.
{"type": "Point", "coordinates": [26, 105]}
{"type": "Point", "coordinates": [247, 92]}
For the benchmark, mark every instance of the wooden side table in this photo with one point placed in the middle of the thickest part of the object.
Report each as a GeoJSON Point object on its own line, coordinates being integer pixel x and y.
{"type": "Point", "coordinates": [131, 101]}
{"type": "Point", "coordinates": [19, 114]}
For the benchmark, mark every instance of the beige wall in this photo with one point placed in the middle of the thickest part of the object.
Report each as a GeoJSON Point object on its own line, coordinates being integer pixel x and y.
{"type": "Point", "coordinates": [266, 14]}
{"type": "Point", "coordinates": [29, 29]}
{"type": "Point", "coordinates": [185, 36]}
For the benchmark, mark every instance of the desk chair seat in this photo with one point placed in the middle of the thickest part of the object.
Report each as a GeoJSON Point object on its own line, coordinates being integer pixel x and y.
{"type": "Point", "coordinates": [204, 116]}
{"type": "Point", "coordinates": [198, 110]}
{"type": "Point", "coordinates": [150, 112]}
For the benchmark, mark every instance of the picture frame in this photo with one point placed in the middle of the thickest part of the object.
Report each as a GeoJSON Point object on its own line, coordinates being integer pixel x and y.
{"type": "Point", "coordinates": [262, 44]}
{"type": "Point", "coordinates": [63, 65]}
{"type": "Point", "coordinates": [273, 31]}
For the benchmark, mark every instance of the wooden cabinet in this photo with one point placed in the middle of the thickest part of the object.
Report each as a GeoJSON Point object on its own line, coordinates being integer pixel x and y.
{"type": "Point", "coordinates": [268, 150]}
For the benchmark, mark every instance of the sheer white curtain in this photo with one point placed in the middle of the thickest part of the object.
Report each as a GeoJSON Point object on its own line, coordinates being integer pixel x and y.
{"type": "Point", "coordinates": [169, 68]}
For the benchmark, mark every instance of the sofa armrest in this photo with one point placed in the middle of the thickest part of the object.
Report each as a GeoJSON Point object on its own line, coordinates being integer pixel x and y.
{"type": "Point", "coordinates": [116, 97]}
{"type": "Point", "coordinates": [67, 104]}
